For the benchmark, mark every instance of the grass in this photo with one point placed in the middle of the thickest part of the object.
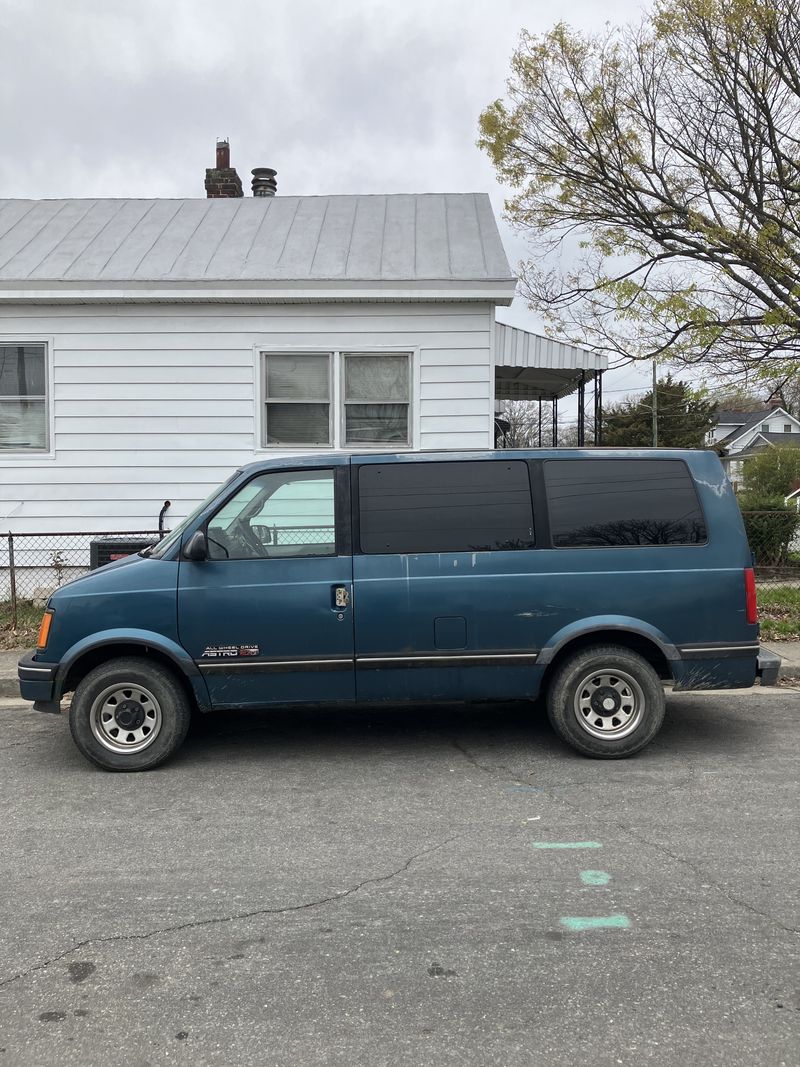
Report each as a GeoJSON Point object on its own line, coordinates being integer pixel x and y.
{"type": "Point", "coordinates": [29, 615]}
{"type": "Point", "coordinates": [779, 611]}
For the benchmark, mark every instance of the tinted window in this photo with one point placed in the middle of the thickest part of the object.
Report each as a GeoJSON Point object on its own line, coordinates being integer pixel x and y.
{"type": "Point", "coordinates": [445, 507]}
{"type": "Point", "coordinates": [607, 502]}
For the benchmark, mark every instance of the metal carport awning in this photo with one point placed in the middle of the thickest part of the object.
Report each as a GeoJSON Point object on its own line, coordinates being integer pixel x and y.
{"type": "Point", "coordinates": [528, 366]}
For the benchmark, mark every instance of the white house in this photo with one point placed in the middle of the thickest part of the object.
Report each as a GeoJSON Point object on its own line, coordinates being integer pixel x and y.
{"type": "Point", "coordinates": [149, 347]}
{"type": "Point", "coordinates": [740, 434]}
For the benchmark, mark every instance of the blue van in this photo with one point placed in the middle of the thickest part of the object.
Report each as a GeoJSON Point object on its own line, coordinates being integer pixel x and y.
{"type": "Point", "coordinates": [591, 577]}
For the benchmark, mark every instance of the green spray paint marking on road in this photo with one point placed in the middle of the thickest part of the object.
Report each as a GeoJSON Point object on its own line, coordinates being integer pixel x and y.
{"type": "Point", "coordinates": [595, 922]}
{"type": "Point", "coordinates": [566, 844]}
{"type": "Point", "coordinates": [595, 877]}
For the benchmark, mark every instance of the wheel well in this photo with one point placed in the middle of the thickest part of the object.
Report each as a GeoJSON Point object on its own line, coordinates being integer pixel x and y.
{"type": "Point", "coordinates": [646, 648]}
{"type": "Point", "coordinates": [95, 656]}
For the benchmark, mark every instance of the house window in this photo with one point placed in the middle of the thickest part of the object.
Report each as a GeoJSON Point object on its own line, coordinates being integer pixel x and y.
{"type": "Point", "coordinates": [765, 427]}
{"type": "Point", "coordinates": [298, 399]}
{"type": "Point", "coordinates": [376, 398]}
{"type": "Point", "coordinates": [23, 397]}
{"type": "Point", "coordinates": [787, 427]}
{"type": "Point", "coordinates": [337, 399]}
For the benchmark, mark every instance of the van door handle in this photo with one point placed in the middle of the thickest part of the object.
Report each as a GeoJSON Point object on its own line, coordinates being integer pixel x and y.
{"type": "Point", "coordinates": [341, 597]}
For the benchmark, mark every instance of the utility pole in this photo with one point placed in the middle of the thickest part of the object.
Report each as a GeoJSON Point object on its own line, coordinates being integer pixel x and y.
{"type": "Point", "coordinates": [655, 407]}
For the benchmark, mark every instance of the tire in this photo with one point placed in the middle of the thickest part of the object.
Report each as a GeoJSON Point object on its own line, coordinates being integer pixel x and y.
{"type": "Point", "coordinates": [606, 702]}
{"type": "Point", "coordinates": [129, 715]}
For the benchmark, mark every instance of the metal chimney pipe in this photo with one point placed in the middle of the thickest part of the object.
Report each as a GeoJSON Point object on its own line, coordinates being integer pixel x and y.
{"type": "Point", "coordinates": [264, 183]}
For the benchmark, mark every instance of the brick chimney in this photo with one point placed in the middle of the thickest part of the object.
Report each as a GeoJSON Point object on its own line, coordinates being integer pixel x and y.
{"type": "Point", "coordinates": [775, 400]}
{"type": "Point", "coordinates": [222, 180]}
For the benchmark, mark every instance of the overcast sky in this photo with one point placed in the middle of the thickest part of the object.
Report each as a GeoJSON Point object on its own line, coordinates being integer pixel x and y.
{"type": "Point", "coordinates": [127, 97]}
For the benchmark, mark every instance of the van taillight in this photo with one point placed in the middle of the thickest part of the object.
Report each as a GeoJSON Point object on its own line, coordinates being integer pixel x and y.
{"type": "Point", "coordinates": [751, 607]}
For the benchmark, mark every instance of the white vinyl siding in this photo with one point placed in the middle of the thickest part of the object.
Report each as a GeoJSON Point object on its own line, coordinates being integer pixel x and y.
{"type": "Point", "coordinates": [159, 402]}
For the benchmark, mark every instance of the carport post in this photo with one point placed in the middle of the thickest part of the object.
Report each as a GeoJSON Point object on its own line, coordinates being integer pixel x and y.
{"type": "Point", "coordinates": [581, 409]}
{"type": "Point", "coordinates": [598, 408]}
{"type": "Point", "coordinates": [540, 422]}
{"type": "Point", "coordinates": [555, 422]}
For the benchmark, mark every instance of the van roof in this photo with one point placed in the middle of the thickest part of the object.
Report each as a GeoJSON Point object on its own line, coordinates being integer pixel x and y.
{"type": "Point", "coordinates": [314, 459]}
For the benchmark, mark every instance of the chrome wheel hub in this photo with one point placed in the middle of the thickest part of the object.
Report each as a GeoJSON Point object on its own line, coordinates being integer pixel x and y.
{"type": "Point", "coordinates": [125, 718]}
{"type": "Point", "coordinates": [609, 704]}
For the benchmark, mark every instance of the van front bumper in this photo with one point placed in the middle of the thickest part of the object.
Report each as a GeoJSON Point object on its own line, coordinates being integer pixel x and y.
{"type": "Point", "coordinates": [769, 667]}
{"type": "Point", "coordinates": [37, 682]}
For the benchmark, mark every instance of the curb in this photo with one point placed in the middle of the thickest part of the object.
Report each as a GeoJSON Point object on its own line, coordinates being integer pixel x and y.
{"type": "Point", "coordinates": [9, 687]}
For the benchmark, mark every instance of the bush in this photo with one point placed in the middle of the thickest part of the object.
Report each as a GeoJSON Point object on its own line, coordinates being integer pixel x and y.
{"type": "Point", "coordinates": [771, 526]}
{"type": "Point", "coordinates": [773, 472]}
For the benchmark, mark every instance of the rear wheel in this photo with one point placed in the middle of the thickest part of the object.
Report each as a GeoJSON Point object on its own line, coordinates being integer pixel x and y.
{"type": "Point", "coordinates": [606, 702]}
{"type": "Point", "coordinates": [129, 715]}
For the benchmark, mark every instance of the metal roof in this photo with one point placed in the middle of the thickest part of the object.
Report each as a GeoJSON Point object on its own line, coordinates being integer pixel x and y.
{"type": "Point", "coordinates": [529, 366]}
{"type": "Point", "coordinates": [429, 240]}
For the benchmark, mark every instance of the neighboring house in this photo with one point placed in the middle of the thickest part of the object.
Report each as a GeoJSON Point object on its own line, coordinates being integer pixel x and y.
{"type": "Point", "coordinates": [740, 434]}
{"type": "Point", "coordinates": [150, 347]}
{"type": "Point", "coordinates": [793, 500]}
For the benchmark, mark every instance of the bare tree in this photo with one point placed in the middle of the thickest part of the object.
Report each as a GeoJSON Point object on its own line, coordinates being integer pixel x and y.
{"type": "Point", "coordinates": [525, 419]}
{"type": "Point", "coordinates": [671, 148]}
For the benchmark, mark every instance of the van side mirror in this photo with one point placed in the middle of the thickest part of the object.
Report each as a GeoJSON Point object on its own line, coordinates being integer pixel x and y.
{"type": "Point", "coordinates": [196, 547]}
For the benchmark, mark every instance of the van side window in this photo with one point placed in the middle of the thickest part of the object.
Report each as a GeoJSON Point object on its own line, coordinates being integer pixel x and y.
{"type": "Point", "coordinates": [610, 502]}
{"type": "Point", "coordinates": [277, 515]}
{"type": "Point", "coordinates": [474, 506]}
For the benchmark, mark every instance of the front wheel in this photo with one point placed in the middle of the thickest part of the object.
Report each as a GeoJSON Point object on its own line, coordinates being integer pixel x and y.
{"type": "Point", "coordinates": [129, 715]}
{"type": "Point", "coordinates": [606, 702]}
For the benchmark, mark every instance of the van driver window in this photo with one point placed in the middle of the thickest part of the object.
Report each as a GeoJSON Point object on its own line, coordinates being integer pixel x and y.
{"type": "Point", "coordinates": [278, 515]}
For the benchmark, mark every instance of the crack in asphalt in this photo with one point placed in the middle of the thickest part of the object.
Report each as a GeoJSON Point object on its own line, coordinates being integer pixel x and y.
{"type": "Point", "coordinates": [220, 919]}
{"type": "Point", "coordinates": [470, 758]}
{"type": "Point", "coordinates": [18, 744]}
{"type": "Point", "coordinates": [549, 791]}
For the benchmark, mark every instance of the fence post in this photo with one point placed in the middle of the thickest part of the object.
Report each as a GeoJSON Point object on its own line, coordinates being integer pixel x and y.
{"type": "Point", "coordinates": [12, 577]}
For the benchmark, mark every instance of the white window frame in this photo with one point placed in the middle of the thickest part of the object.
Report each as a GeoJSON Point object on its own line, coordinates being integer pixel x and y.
{"type": "Point", "coordinates": [48, 452]}
{"type": "Point", "coordinates": [337, 412]}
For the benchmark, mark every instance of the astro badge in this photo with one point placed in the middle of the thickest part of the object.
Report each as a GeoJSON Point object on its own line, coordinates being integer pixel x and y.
{"type": "Point", "coordinates": [229, 651]}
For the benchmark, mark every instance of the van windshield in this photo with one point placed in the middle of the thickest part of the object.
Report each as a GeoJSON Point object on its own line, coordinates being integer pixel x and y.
{"type": "Point", "coordinates": [159, 550]}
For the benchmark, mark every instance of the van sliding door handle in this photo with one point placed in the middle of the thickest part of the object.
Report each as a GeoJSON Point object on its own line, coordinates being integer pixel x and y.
{"type": "Point", "coordinates": [341, 597]}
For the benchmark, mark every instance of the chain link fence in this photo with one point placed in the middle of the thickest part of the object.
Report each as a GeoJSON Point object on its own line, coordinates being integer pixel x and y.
{"type": "Point", "coordinates": [774, 538]}
{"type": "Point", "coordinates": [33, 565]}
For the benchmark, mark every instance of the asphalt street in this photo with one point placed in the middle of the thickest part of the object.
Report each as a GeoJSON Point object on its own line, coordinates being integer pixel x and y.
{"type": "Point", "coordinates": [436, 886]}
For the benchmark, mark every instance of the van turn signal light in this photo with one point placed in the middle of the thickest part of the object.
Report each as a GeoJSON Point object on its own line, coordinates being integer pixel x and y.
{"type": "Point", "coordinates": [44, 630]}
